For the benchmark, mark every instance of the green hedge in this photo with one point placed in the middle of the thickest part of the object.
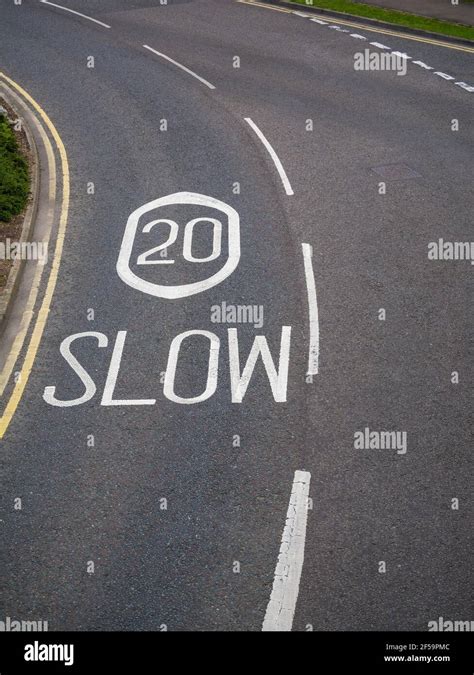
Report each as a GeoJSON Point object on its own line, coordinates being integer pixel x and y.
{"type": "Point", "coordinates": [14, 180]}
{"type": "Point", "coordinates": [394, 16]}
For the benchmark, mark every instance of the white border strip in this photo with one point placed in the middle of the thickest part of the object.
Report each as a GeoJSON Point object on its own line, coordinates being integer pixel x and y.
{"type": "Point", "coordinates": [179, 65]}
{"type": "Point", "coordinates": [274, 156]}
{"type": "Point", "coordinates": [66, 9]}
{"type": "Point", "coordinates": [313, 357]}
{"type": "Point", "coordinates": [281, 607]}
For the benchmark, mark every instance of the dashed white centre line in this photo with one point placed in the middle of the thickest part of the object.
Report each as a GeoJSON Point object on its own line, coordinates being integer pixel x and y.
{"type": "Point", "coordinates": [443, 75]}
{"type": "Point", "coordinates": [313, 354]}
{"type": "Point", "coordinates": [379, 45]}
{"type": "Point", "coordinates": [282, 605]}
{"type": "Point", "coordinates": [273, 155]}
{"type": "Point", "coordinates": [180, 65]}
{"type": "Point", "coordinates": [73, 11]}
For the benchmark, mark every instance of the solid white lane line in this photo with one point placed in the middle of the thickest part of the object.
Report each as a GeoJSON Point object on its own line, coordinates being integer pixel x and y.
{"type": "Point", "coordinates": [180, 65]}
{"type": "Point", "coordinates": [281, 607]}
{"type": "Point", "coordinates": [274, 156]}
{"type": "Point", "coordinates": [313, 356]}
{"type": "Point", "coordinates": [72, 11]}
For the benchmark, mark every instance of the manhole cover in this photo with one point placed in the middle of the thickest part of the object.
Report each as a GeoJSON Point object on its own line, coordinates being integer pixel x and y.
{"type": "Point", "coordinates": [395, 171]}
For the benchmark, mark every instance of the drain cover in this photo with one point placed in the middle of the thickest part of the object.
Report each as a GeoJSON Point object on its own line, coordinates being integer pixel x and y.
{"type": "Point", "coordinates": [395, 171]}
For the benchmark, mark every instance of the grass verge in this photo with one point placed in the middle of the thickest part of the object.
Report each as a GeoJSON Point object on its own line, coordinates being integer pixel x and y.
{"type": "Point", "coordinates": [394, 16]}
{"type": "Point", "coordinates": [14, 178]}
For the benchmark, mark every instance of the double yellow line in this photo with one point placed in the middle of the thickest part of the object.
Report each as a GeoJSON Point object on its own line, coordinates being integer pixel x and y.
{"type": "Point", "coordinates": [360, 26]}
{"type": "Point", "coordinates": [43, 312]}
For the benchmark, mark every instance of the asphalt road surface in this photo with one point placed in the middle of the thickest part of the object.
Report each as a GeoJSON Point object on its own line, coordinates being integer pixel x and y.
{"type": "Point", "coordinates": [146, 515]}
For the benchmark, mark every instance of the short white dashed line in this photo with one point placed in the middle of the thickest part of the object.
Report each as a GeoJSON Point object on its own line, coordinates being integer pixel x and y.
{"type": "Point", "coordinates": [467, 87]}
{"type": "Point", "coordinates": [422, 65]}
{"type": "Point", "coordinates": [380, 46]}
{"type": "Point", "coordinates": [180, 65]}
{"type": "Point", "coordinates": [282, 605]}
{"type": "Point", "coordinates": [443, 75]}
{"type": "Point", "coordinates": [72, 11]}
{"type": "Point", "coordinates": [313, 352]}
{"type": "Point", "coordinates": [274, 156]}
{"type": "Point", "coordinates": [305, 16]}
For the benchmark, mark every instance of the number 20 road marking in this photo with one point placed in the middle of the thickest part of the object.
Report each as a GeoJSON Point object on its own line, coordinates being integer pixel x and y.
{"type": "Point", "coordinates": [184, 290]}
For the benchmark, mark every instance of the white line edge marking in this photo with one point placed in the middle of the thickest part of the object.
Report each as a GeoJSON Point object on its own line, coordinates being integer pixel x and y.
{"type": "Point", "coordinates": [273, 155]}
{"type": "Point", "coordinates": [66, 9]}
{"type": "Point", "coordinates": [282, 604]}
{"type": "Point", "coordinates": [179, 65]}
{"type": "Point", "coordinates": [313, 355]}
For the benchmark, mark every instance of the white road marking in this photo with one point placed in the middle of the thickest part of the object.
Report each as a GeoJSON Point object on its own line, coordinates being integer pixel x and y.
{"type": "Point", "coordinates": [404, 36]}
{"type": "Point", "coordinates": [274, 156]}
{"type": "Point", "coordinates": [212, 373]}
{"type": "Point", "coordinates": [180, 65]}
{"type": "Point", "coordinates": [379, 45]}
{"type": "Point", "coordinates": [422, 65]}
{"type": "Point", "coordinates": [170, 292]}
{"type": "Point", "coordinates": [239, 381]}
{"type": "Point", "coordinates": [443, 75]}
{"type": "Point", "coordinates": [281, 607]}
{"type": "Point", "coordinates": [313, 356]}
{"type": "Point", "coordinates": [465, 86]}
{"type": "Point", "coordinates": [72, 11]}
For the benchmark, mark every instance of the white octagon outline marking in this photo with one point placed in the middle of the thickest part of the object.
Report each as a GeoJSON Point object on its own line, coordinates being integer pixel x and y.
{"type": "Point", "coordinates": [184, 290]}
